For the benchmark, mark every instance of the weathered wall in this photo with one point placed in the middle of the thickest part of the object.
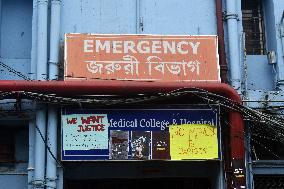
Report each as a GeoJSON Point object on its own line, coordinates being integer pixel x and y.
{"type": "Point", "coordinates": [191, 17]}
{"type": "Point", "coordinates": [16, 37]}
{"type": "Point", "coordinates": [155, 17]}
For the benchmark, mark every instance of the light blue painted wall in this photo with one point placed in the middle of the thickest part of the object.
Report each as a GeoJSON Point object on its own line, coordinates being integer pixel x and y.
{"type": "Point", "coordinates": [119, 16]}
{"type": "Point", "coordinates": [98, 16]}
{"type": "Point", "coordinates": [179, 17]}
{"type": "Point", "coordinates": [260, 73]}
{"type": "Point", "coordinates": [20, 65]}
{"type": "Point", "coordinates": [13, 181]}
{"type": "Point", "coordinates": [278, 11]}
{"type": "Point", "coordinates": [16, 29]}
{"type": "Point", "coordinates": [15, 40]}
{"type": "Point", "coordinates": [193, 17]}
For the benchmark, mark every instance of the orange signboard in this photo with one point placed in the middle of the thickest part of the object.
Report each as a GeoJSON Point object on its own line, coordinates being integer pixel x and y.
{"type": "Point", "coordinates": [141, 57]}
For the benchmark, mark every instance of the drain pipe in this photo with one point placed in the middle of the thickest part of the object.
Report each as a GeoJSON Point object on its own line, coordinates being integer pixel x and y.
{"type": "Point", "coordinates": [280, 67]}
{"type": "Point", "coordinates": [221, 42]}
{"type": "Point", "coordinates": [51, 164]}
{"type": "Point", "coordinates": [234, 57]}
{"type": "Point", "coordinates": [237, 161]}
{"type": "Point", "coordinates": [54, 39]}
{"type": "Point", "coordinates": [32, 74]}
{"type": "Point", "coordinates": [40, 124]}
{"type": "Point", "coordinates": [31, 154]}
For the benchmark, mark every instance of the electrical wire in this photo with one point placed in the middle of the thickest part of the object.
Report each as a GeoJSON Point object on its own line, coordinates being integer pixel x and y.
{"type": "Point", "coordinates": [15, 72]}
{"type": "Point", "coordinates": [265, 121]}
{"type": "Point", "coordinates": [47, 147]}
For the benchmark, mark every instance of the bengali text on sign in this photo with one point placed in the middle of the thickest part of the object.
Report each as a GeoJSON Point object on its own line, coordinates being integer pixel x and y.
{"type": "Point", "coordinates": [141, 57]}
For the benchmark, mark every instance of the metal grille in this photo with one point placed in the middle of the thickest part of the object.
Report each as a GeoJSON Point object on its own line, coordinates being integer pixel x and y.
{"type": "Point", "coordinates": [253, 27]}
{"type": "Point", "coordinates": [269, 182]}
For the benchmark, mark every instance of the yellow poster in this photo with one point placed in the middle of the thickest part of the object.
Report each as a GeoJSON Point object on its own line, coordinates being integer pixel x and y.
{"type": "Point", "coordinates": [193, 141]}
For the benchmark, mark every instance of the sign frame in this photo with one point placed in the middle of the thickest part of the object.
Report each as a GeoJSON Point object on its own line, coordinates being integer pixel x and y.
{"type": "Point", "coordinates": [83, 62]}
{"type": "Point", "coordinates": [93, 155]}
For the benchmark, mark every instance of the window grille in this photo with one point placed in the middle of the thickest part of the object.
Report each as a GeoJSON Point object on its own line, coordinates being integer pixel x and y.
{"type": "Point", "coordinates": [253, 27]}
{"type": "Point", "coordinates": [268, 182]}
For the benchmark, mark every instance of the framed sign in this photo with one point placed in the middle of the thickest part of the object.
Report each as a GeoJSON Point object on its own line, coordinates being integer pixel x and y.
{"type": "Point", "coordinates": [141, 134]}
{"type": "Point", "coordinates": [141, 57]}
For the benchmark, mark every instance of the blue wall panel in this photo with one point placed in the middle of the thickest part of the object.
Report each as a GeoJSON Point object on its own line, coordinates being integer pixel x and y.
{"type": "Point", "coordinates": [98, 16]}
{"type": "Point", "coordinates": [15, 40]}
{"type": "Point", "coordinates": [13, 181]}
{"type": "Point", "coordinates": [260, 73]}
{"type": "Point", "coordinates": [192, 17]}
{"type": "Point", "coordinates": [16, 27]}
{"type": "Point", "coordinates": [278, 11]}
{"type": "Point", "coordinates": [121, 17]}
{"type": "Point", "coordinates": [20, 65]}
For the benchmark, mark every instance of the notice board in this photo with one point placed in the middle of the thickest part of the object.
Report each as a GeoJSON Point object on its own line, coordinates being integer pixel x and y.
{"type": "Point", "coordinates": [141, 134]}
{"type": "Point", "coordinates": [141, 57]}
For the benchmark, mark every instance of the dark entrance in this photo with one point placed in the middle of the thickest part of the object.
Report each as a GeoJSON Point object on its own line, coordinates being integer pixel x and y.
{"type": "Point", "coordinates": [143, 174]}
{"type": "Point", "coordinates": [165, 183]}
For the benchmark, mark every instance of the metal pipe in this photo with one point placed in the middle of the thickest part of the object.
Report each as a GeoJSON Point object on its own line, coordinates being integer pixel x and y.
{"type": "Point", "coordinates": [59, 181]}
{"type": "Point", "coordinates": [32, 130]}
{"type": "Point", "coordinates": [51, 164]}
{"type": "Point", "coordinates": [31, 164]}
{"type": "Point", "coordinates": [234, 57]}
{"type": "Point", "coordinates": [54, 39]}
{"type": "Point", "coordinates": [40, 148]}
{"type": "Point", "coordinates": [280, 67]}
{"type": "Point", "coordinates": [41, 73]}
{"type": "Point", "coordinates": [110, 87]}
{"type": "Point", "coordinates": [42, 6]}
{"type": "Point", "coordinates": [1, 24]}
{"type": "Point", "coordinates": [221, 42]}
{"type": "Point", "coordinates": [138, 16]}
{"type": "Point", "coordinates": [34, 42]}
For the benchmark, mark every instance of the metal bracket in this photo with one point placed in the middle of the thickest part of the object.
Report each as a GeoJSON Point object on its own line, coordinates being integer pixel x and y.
{"type": "Point", "coordinates": [51, 179]}
{"type": "Point", "coordinates": [141, 24]}
{"type": "Point", "coordinates": [282, 18]}
{"type": "Point", "coordinates": [18, 104]}
{"type": "Point", "coordinates": [279, 83]}
{"type": "Point", "coordinates": [281, 31]}
{"type": "Point", "coordinates": [230, 16]}
{"type": "Point", "coordinates": [55, 63]}
{"type": "Point", "coordinates": [30, 168]}
{"type": "Point", "coordinates": [38, 183]}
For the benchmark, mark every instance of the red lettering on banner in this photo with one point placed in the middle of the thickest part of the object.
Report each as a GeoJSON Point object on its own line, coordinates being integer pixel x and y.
{"type": "Point", "coordinates": [71, 121]}
{"type": "Point", "coordinates": [92, 119]}
{"type": "Point", "coordinates": [86, 128]}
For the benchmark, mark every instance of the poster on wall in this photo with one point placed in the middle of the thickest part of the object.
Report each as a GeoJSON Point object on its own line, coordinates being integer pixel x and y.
{"type": "Point", "coordinates": [141, 134]}
{"type": "Point", "coordinates": [141, 57]}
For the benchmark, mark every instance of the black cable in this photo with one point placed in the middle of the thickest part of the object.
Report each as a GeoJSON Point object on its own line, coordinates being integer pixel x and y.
{"type": "Point", "coordinates": [47, 147]}
{"type": "Point", "coordinates": [264, 120]}
{"type": "Point", "coordinates": [12, 70]}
